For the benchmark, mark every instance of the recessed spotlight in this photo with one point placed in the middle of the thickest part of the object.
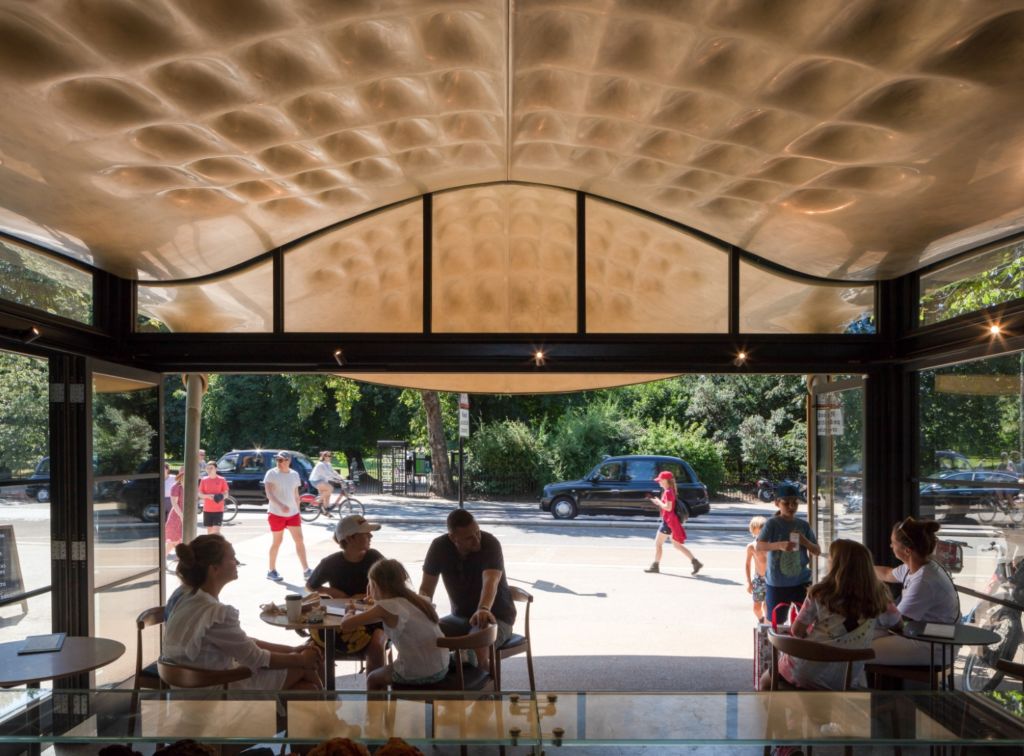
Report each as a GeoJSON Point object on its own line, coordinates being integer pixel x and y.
{"type": "Point", "coordinates": [995, 329]}
{"type": "Point", "coordinates": [31, 335]}
{"type": "Point", "coordinates": [740, 359]}
{"type": "Point", "coordinates": [539, 358]}
{"type": "Point", "coordinates": [339, 357]}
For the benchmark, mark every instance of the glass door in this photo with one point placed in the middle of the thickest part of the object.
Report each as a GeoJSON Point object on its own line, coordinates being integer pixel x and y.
{"type": "Point", "coordinates": [835, 432]}
{"type": "Point", "coordinates": [127, 508]}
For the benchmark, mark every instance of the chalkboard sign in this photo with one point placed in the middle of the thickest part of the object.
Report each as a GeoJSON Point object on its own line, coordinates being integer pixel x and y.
{"type": "Point", "coordinates": [11, 582]}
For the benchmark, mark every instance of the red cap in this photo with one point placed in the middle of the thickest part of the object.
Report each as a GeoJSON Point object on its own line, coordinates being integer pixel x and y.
{"type": "Point", "coordinates": [664, 475]}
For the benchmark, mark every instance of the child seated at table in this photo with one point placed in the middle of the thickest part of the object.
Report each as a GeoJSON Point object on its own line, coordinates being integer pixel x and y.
{"type": "Point", "coordinates": [409, 620]}
{"type": "Point", "coordinates": [841, 610]}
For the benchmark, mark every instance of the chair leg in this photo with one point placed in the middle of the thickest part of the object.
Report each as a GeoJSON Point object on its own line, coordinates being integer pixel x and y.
{"type": "Point", "coordinates": [529, 669]}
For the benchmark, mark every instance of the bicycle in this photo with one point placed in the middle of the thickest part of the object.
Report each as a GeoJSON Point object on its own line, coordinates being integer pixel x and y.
{"type": "Point", "coordinates": [230, 508]}
{"type": "Point", "coordinates": [342, 502]}
{"type": "Point", "coordinates": [1009, 504]}
{"type": "Point", "coordinates": [1007, 588]}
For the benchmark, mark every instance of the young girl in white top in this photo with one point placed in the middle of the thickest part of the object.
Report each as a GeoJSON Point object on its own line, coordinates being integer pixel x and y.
{"type": "Point", "coordinates": [409, 621]}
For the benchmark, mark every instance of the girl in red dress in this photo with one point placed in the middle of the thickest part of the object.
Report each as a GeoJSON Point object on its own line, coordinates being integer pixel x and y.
{"type": "Point", "coordinates": [671, 524]}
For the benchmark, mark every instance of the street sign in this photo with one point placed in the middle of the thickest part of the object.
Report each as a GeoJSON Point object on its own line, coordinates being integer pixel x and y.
{"type": "Point", "coordinates": [463, 423]}
{"type": "Point", "coordinates": [830, 422]}
{"type": "Point", "coordinates": [464, 401]}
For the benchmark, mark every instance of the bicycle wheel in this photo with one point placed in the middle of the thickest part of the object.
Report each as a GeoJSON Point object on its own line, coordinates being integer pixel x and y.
{"type": "Point", "coordinates": [1016, 509]}
{"type": "Point", "coordinates": [987, 510]}
{"type": "Point", "coordinates": [309, 510]}
{"type": "Point", "coordinates": [980, 674]}
{"type": "Point", "coordinates": [230, 509]}
{"type": "Point", "coordinates": [351, 506]}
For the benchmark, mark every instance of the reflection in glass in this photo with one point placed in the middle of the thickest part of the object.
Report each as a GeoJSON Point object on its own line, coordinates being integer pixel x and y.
{"type": "Point", "coordinates": [240, 302]}
{"type": "Point", "coordinates": [24, 416]}
{"type": "Point", "coordinates": [116, 609]}
{"type": "Point", "coordinates": [839, 465]}
{"type": "Point", "coordinates": [771, 302]}
{"type": "Point", "coordinates": [35, 615]}
{"type": "Point", "coordinates": [972, 283]}
{"type": "Point", "coordinates": [36, 279]}
{"type": "Point", "coordinates": [125, 422]}
{"type": "Point", "coordinates": [124, 543]}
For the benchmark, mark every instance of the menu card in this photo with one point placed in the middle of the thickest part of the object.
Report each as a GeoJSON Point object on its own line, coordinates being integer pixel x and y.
{"type": "Point", "coordinates": [939, 630]}
{"type": "Point", "coordinates": [41, 644]}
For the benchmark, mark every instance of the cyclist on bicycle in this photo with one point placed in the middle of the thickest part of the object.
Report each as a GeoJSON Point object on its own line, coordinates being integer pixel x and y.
{"type": "Point", "coordinates": [324, 477]}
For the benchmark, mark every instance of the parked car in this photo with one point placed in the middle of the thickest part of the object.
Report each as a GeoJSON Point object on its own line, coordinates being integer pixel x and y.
{"type": "Point", "coordinates": [620, 486]}
{"type": "Point", "coordinates": [143, 497]}
{"type": "Point", "coordinates": [40, 491]}
{"type": "Point", "coordinates": [952, 461]}
{"type": "Point", "coordinates": [244, 470]}
{"type": "Point", "coordinates": [962, 491]}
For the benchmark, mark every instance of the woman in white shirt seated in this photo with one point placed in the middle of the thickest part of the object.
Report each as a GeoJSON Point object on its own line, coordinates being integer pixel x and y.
{"type": "Point", "coordinates": [324, 477]}
{"type": "Point", "coordinates": [928, 592]}
{"type": "Point", "coordinates": [202, 632]}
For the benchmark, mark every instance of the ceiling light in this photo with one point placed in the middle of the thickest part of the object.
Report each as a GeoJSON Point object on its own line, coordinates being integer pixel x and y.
{"type": "Point", "coordinates": [31, 335]}
{"type": "Point", "coordinates": [740, 359]}
{"type": "Point", "coordinates": [995, 329]}
{"type": "Point", "coordinates": [539, 358]}
{"type": "Point", "coordinates": [339, 357]}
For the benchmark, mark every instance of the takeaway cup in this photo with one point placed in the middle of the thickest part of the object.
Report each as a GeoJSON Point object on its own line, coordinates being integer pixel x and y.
{"type": "Point", "coordinates": [293, 603]}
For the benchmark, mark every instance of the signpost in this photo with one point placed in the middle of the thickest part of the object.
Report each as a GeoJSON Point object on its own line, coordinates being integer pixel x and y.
{"type": "Point", "coordinates": [463, 434]}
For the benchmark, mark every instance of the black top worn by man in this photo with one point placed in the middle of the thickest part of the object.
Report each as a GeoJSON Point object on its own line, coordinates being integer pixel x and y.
{"type": "Point", "coordinates": [473, 569]}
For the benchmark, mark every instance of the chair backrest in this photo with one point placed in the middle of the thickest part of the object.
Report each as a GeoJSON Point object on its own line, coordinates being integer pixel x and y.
{"type": "Point", "coordinates": [801, 648]}
{"type": "Point", "coordinates": [184, 676]}
{"type": "Point", "coordinates": [149, 618]}
{"type": "Point", "coordinates": [477, 639]}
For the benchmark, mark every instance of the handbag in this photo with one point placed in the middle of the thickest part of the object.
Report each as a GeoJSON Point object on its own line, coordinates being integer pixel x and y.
{"type": "Point", "coordinates": [762, 647]}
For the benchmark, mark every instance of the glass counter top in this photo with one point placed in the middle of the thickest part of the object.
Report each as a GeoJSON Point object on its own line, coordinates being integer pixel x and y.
{"type": "Point", "coordinates": [564, 719]}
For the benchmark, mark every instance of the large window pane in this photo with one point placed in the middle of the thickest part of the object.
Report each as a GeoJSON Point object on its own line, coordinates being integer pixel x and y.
{"type": "Point", "coordinates": [116, 610]}
{"type": "Point", "coordinates": [35, 279]}
{"type": "Point", "coordinates": [972, 436]}
{"type": "Point", "coordinates": [972, 283]}
{"type": "Point", "coordinates": [24, 497]}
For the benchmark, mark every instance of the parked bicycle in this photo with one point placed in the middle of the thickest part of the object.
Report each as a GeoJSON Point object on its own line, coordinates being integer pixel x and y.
{"type": "Point", "coordinates": [230, 508]}
{"type": "Point", "coordinates": [341, 503]}
{"type": "Point", "coordinates": [1006, 584]}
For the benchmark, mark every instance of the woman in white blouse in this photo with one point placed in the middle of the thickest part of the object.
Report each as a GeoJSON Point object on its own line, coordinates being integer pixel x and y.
{"type": "Point", "coordinates": [203, 632]}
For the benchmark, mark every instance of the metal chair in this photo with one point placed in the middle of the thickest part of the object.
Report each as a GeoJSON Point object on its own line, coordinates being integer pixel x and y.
{"type": "Point", "coordinates": [149, 676]}
{"type": "Point", "coordinates": [518, 644]}
{"type": "Point", "coordinates": [184, 676]}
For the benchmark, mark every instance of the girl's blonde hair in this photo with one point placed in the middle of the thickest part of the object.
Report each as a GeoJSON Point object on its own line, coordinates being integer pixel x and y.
{"type": "Point", "coordinates": [851, 588]}
{"type": "Point", "coordinates": [392, 580]}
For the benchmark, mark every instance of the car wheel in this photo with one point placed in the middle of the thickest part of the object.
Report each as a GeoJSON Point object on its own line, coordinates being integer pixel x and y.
{"type": "Point", "coordinates": [150, 513]}
{"type": "Point", "coordinates": [563, 508]}
{"type": "Point", "coordinates": [43, 495]}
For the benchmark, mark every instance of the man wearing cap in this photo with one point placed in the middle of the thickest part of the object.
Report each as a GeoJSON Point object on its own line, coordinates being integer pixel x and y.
{"type": "Point", "coordinates": [282, 485]}
{"type": "Point", "coordinates": [346, 574]}
{"type": "Point", "coordinates": [473, 569]}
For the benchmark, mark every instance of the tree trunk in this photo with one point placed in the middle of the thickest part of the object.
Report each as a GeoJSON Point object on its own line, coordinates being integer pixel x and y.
{"type": "Point", "coordinates": [441, 481]}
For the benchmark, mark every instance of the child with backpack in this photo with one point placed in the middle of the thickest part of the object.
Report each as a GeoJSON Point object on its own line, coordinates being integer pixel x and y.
{"type": "Point", "coordinates": [409, 620]}
{"type": "Point", "coordinates": [673, 514]}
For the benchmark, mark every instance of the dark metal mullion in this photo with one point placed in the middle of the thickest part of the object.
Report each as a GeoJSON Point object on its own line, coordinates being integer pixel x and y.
{"type": "Point", "coordinates": [428, 262]}
{"type": "Point", "coordinates": [278, 284]}
{"type": "Point", "coordinates": [734, 291]}
{"type": "Point", "coordinates": [581, 263]}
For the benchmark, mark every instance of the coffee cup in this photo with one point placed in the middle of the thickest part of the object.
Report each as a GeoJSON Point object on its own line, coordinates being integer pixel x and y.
{"type": "Point", "coordinates": [794, 538]}
{"type": "Point", "coordinates": [293, 605]}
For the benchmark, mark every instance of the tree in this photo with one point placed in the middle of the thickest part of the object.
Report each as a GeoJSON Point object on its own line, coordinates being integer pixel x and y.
{"type": "Point", "coordinates": [24, 413]}
{"type": "Point", "coordinates": [691, 444]}
{"type": "Point", "coordinates": [441, 481]}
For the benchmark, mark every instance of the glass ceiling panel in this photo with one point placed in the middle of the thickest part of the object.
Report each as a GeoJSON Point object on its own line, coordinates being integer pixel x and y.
{"type": "Point", "coordinates": [366, 276]}
{"type": "Point", "coordinates": [972, 283]}
{"type": "Point", "coordinates": [34, 279]}
{"type": "Point", "coordinates": [504, 260]}
{"type": "Point", "coordinates": [774, 303]}
{"type": "Point", "coordinates": [646, 276]}
{"type": "Point", "coordinates": [241, 302]}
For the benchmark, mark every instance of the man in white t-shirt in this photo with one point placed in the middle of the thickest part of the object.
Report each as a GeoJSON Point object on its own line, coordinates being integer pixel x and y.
{"type": "Point", "coordinates": [282, 486]}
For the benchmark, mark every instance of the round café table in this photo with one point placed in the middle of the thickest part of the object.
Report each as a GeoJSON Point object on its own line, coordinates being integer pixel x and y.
{"type": "Point", "coordinates": [328, 626]}
{"type": "Point", "coordinates": [78, 654]}
{"type": "Point", "coordinates": [963, 635]}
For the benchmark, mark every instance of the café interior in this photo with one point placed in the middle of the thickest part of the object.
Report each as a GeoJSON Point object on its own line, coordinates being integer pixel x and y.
{"type": "Point", "coordinates": [503, 196]}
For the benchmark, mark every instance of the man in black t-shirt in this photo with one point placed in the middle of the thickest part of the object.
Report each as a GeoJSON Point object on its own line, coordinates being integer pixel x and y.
{"type": "Point", "coordinates": [473, 569]}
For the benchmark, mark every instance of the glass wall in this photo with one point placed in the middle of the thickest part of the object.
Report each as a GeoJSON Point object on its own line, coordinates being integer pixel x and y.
{"type": "Point", "coordinates": [24, 498]}
{"type": "Point", "coordinates": [838, 455]}
{"type": "Point", "coordinates": [34, 279]}
{"type": "Point", "coordinates": [127, 508]}
{"type": "Point", "coordinates": [972, 283]}
{"type": "Point", "coordinates": [970, 476]}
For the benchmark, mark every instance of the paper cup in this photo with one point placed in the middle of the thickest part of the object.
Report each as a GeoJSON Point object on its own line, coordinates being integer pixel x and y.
{"type": "Point", "coordinates": [293, 605]}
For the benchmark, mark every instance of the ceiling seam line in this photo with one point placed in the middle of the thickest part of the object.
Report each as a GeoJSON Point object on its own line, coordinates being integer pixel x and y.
{"type": "Point", "coordinates": [508, 89]}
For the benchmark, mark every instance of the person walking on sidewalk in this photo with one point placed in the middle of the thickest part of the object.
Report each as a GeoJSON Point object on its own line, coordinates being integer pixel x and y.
{"type": "Point", "coordinates": [282, 486]}
{"type": "Point", "coordinates": [672, 518]}
{"type": "Point", "coordinates": [213, 488]}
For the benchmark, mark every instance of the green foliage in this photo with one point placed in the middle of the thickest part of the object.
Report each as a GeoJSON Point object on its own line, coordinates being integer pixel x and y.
{"type": "Point", "coordinates": [691, 444]}
{"type": "Point", "coordinates": [122, 440]}
{"type": "Point", "coordinates": [1000, 279]}
{"type": "Point", "coordinates": [24, 413]}
{"type": "Point", "coordinates": [37, 280]}
{"type": "Point", "coordinates": [766, 448]}
{"type": "Point", "coordinates": [417, 434]}
{"type": "Point", "coordinates": [507, 457]}
{"type": "Point", "coordinates": [585, 435]}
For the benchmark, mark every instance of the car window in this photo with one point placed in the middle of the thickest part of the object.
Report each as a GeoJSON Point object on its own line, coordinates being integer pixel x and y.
{"type": "Point", "coordinates": [300, 460]}
{"type": "Point", "coordinates": [251, 463]}
{"type": "Point", "coordinates": [640, 469]}
{"type": "Point", "coordinates": [228, 463]}
{"type": "Point", "coordinates": [610, 471]}
{"type": "Point", "coordinates": [678, 471]}
{"type": "Point", "coordinates": [44, 467]}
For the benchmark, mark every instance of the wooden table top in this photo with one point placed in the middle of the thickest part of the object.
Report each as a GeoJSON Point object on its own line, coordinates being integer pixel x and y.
{"type": "Point", "coordinates": [78, 654]}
